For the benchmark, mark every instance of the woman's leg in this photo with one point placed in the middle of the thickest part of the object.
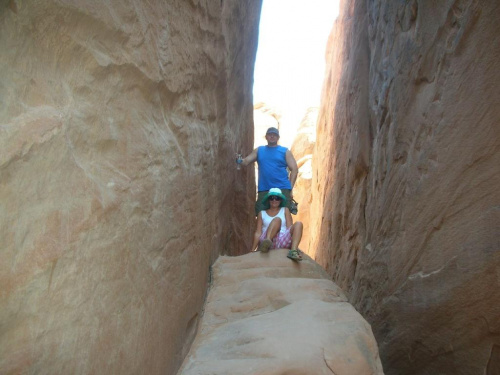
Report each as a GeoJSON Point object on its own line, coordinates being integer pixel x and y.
{"type": "Point", "coordinates": [272, 230]}
{"type": "Point", "coordinates": [296, 231]}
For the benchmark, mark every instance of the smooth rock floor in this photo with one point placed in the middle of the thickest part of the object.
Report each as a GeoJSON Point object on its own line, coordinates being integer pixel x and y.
{"type": "Point", "coordinates": [266, 314]}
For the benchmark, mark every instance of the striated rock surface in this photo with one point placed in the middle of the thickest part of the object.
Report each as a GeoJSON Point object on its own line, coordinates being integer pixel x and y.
{"type": "Point", "coordinates": [119, 122]}
{"type": "Point", "coordinates": [268, 315]}
{"type": "Point", "coordinates": [406, 208]}
{"type": "Point", "coordinates": [303, 149]}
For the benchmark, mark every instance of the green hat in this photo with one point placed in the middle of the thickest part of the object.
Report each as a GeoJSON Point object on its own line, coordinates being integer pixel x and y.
{"type": "Point", "coordinates": [277, 192]}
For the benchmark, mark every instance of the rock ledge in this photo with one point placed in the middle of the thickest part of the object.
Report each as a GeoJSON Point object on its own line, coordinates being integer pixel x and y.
{"type": "Point", "coordinates": [268, 315]}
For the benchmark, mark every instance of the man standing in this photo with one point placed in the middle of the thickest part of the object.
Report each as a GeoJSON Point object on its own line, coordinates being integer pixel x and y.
{"type": "Point", "coordinates": [273, 161]}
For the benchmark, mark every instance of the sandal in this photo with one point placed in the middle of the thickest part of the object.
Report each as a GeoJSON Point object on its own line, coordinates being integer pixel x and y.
{"type": "Point", "coordinates": [294, 255]}
{"type": "Point", "coordinates": [265, 245]}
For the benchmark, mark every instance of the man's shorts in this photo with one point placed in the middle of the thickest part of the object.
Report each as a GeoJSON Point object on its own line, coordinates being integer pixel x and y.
{"type": "Point", "coordinates": [259, 205]}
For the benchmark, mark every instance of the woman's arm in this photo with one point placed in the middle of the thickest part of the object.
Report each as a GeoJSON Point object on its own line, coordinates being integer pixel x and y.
{"type": "Point", "coordinates": [258, 232]}
{"type": "Point", "coordinates": [288, 218]}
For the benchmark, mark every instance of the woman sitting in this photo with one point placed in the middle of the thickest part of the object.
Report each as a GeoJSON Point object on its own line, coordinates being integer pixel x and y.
{"type": "Point", "coordinates": [275, 227]}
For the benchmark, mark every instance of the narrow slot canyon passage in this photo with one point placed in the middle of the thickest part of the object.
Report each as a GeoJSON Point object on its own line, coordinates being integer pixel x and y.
{"type": "Point", "coordinates": [265, 313]}
{"type": "Point", "coordinates": [126, 225]}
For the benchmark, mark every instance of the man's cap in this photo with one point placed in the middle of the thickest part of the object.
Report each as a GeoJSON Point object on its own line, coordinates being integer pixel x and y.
{"type": "Point", "coordinates": [273, 130]}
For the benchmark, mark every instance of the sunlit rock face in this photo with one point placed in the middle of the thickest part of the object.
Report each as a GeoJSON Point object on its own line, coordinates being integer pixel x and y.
{"type": "Point", "coordinates": [303, 149]}
{"type": "Point", "coordinates": [264, 117]}
{"type": "Point", "coordinates": [406, 204]}
{"type": "Point", "coordinates": [119, 125]}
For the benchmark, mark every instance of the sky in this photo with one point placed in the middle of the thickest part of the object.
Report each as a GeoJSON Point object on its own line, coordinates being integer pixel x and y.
{"type": "Point", "coordinates": [290, 62]}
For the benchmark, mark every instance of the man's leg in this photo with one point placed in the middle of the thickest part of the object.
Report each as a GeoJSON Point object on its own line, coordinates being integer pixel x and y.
{"type": "Point", "coordinates": [259, 205]}
{"type": "Point", "coordinates": [286, 193]}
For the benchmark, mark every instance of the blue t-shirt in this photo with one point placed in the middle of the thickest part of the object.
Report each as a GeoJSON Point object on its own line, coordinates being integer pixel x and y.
{"type": "Point", "coordinates": [273, 171]}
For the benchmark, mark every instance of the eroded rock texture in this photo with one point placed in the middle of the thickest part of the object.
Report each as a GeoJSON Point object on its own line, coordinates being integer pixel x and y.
{"type": "Point", "coordinates": [264, 117]}
{"type": "Point", "coordinates": [303, 149]}
{"type": "Point", "coordinates": [266, 314]}
{"type": "Point", "coordinates": [406, 209]}
{"type": "Point", "coordinates": [119, 124]}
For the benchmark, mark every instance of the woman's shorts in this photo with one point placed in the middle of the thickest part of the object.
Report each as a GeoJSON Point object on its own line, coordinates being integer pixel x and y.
{"type": "Point", "coordinates": [283, 240]}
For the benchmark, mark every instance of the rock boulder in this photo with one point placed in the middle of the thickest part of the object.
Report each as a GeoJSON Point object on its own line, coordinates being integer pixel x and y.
{"type": "Point", "coordinates": [266, 314]}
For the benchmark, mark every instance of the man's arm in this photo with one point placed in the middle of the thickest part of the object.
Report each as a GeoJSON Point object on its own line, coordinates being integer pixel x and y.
{"type": "Point", "coordinates": [250, 158]}
{"type": "Point", "coordinates": [294, 170]}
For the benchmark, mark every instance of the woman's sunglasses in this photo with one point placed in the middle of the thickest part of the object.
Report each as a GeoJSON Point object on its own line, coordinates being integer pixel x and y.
{"type": "Point", "coordinates": [274, 198]}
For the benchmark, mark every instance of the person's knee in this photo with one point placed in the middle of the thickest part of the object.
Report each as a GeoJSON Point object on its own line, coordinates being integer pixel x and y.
{"type": "Point", "coordinates": [276, 220]}
{"type": "Point", "coordinates": [299, 224]}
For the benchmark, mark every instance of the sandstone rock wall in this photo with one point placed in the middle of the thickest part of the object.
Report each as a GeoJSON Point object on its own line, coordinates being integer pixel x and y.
{"type": "Point", "coordinates": [406, 208]}
{"type": "Point", "coordinates": [119, 122]}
